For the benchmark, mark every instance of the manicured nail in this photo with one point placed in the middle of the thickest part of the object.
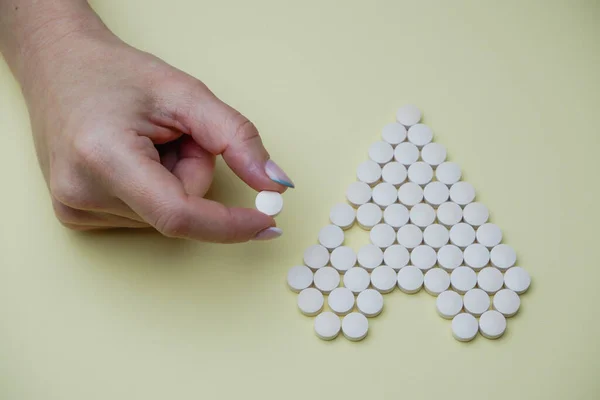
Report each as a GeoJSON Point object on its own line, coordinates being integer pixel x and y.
{"type": "Point", "coordinates": [268, 234]}
{"type": "Point", "coordinates": [277, 175]}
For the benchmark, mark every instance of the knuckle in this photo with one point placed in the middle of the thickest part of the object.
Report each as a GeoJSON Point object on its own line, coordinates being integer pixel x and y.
{"type": "Point", "coordinates": [88, 151]}
{"type": "Point", "coordinates": [173, 222]}
{"type": "Point", "coordinates": [244, 130]}
{"type": "Point", "coordinates": [65, 214]}
{"type": "Point", "coordinates": [66, 190]}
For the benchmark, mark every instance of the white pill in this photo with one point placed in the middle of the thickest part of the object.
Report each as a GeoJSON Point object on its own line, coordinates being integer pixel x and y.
{"type": "Point", "coordinates": [396, 256]}
{"type": "Point", "coordinates": [506, 302]}
{"type": "Point", "coordinates": [463, 279]}
{"type": "Point", "coordinates": [464, 327]}
{"type": "Point", "coordinates": [327, 325]}
{"type": "Point", "coordinates": [410, 279]}
{"type": "Point", "coordinates": [436, 281]}
{"type": "Point", "coordinates": [517, 279]}
{"type": "Point", "coordinates": [381, 152]}
{"type": "Point", "coordinates": [462, 235]}
{"type": "Point", "coordinates": [450, 257]}
{"type": "Point", "coordinates": [476, 214]}
{"type": "Point", "coordinates": [448, 173]}
{"type": "Point", "coordinates": [310, 302]}
{"type": "Point", "coordinates": [343, 258]}
{"type": "Point", "coordinates": [489, 235]}
{"type": "Point", "coordinates": [369, 302]}
{"type": "Point", "coordinates": [503, 256]}
{"type": "Point", "coordinates": [358, 193]}
{"type": "Point", "coordinates": [448, 304]}
{"type": "Point", "coordinates": [341, 300]}
{"type": "Point", "coordinates": [331, 236]}
{"type": "Point", "coordinates": [316, 256]}
{"type": "Point", "coordinates": [492, 324]}
{"type": "Point", "coordinates": [394, 173]}
{"type": "Point", "coordinates": [410, 236]}
{"type": "Point", "coordinates": [270, 203]}
{"type": "Point", "coordinates": [408, 115]}
{"type": "Point", "coordinates": [423, 257]}
{"type": "Point", "coordinates": [420, 135]}
{"type": "Point", "coordinates": [384, 278]}
{"type": "Point", "coordinates": [436, 236]}
{"type": "Point", "coordinates": [410, 194]}
{"type": "Point", "coordinates": [394, 133]}
{"type": "Point", "coordinates": [490, 280]}
{"type": "Point", "coordinates": [422, 215]}
{"type": "Point", "coordinates": [385, 194]}
{"type": "Point", "coordinates": [477, 256]}
{"type": "Point", "coordinates": [406, 153]}
{"type": "Point", "coordinates": [382, 235]}
{"type": "Point", "coordinates": [462, 193]}
{"type": "Point", "coordinates": [420, 173]}
{"type": "Point", "coordinates": [433, 154]}
{"type": "Point", "coordinates": [449, 214]}
{"type": "Point", "coordinates": [342, 215]}
{"type": "Point", "coordinates": [357, 279]}
{"type": "Point", "coordinates": [395, 215]}
{"type": "Point", "coordinates": [369, 172]}
{"type": "Point", "coordinates": [299, 278]}
{"type": "Point", "coordinates": [436, 193]}
{"type": "Point", "coordinates": [476, 302]}
{"type": "Point", "coordinates": [355, 326]}
{"type": "Point", "coordinates": [368, 215]}
{"type": "Point", "coordinates": [326, 279]}
{"type": "Point", "coordinates": [370, 256]}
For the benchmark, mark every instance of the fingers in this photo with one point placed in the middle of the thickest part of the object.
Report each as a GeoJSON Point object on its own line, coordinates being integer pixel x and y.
{"type": "Point", "coordinates": [80, 219]}
{"type": "Point", "coordinates": [194, 167]}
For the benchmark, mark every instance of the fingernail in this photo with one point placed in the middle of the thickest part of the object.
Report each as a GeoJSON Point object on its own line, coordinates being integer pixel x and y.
{"type": "Point", "coordinates": [277, 175]}
{"type": "Point", "coordinates": [268, 234]}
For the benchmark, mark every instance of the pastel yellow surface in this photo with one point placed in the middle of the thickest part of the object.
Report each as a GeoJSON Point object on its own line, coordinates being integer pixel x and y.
{"type": "Point", "coordinates": [511, 88]}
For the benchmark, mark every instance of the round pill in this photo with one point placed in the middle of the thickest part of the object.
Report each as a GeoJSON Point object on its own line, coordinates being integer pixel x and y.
{"type": "Point", "coordinates": [270, 203]}
{"type": "Point", "coordinates": [433, 154]}
{"type": "Point", "coordinates": [331, 236]}
{"type": "Point", "coordinates": [436, 236]}
{"type": "Point", "coordinates": [396, 256]}
{"type": "Point", "coordinates": [326, 279]}
{"type": "Point", "coordinates": [382, 235]}
{"type": "Point", "coordinates": [406, 153]}
{"type": "Point", "coordinates": [517, 279]}
{"type": "Point", "coordinates": [299, 278]}
{"type": "Point", "coordinates": [448, 173]}
{"type": "Point", "coordinates": [384, 278]}
{"type": "Point", "coordinates": [436, 281]}
{"type": "Point", "coordinates": [358, 193]}
{"type": "Point", "coordinates": [506, 302]}
{"type": "Point", "coordinates": [327, 325]}
{"type": "Point", "coordinates": [420, 134]}
{"type": "Point", "coordinates": [342, 215]}
{"type": "Point", "coordinates": [476, 302]}
{"type": "Point", "coordinates": [310, 302]}
{"type": "Point", "coordinates": [490, 280]}
{"type": "Point", "coordinates": [422, 215]}
{"type": "Point", "coordinates": [462, 193]}
{"type": "Point", "coordinates": [385, 194]}
{"type": "Point", "coordinates": [423, 257]}
{"type": "Point", "coordinates": [448, 304]}
{"type": "Point", "coordinates": [450, 257]}
{"type": "Point", "coordinates": [370, 256]}
{"type": "Point", "coordinates": [343, 258]}
{"type": "Point", "coordinates": [369, 172]}
{"type": "Point", "coordinates": [489, 235]}
{"type": "Point", "coordinates": [410, 194]}
{"type": "Point", "coordinates": [449, 214]}
{"type": "Point", "coordinates": [341, 300]}
{"type": "Point", "coordinates": [355, 326]}
{"type": "Point", "coordinates": [381, 152]}
{"type": "Point", "coordinates": [368, 215]}
{"type": "Point", "coordinates": [408, 115]}
{"type": "Point", "coordinates": [492, 324]}
{"type": "Point", "coordinates": [410, 236]}
{"type": "Point", "coordinates": [436, 193]}
{"type": "Point", "coordinates": [464, 327]}
{"type": "Point", "coordinates": [357, 279]}
{"type": "Point", "coordinates": [395, 215]}
{"type": "Point", "coordinates": [316, 256]}
{"type": "Point", "coordinates": [462, 235]}
{"type": "Point", "coordinates": [394, 133]}
{"type": "Point", "coordinates": [420, 173]}
{"type": "Point", "coordinates": [463, 279]}
{"type": "Point", "coordinates": [477, 256]}
{"type": "Point", "coordinates": [410, 279]}
{"type": "Point", "coordinates": [476, 214]}
{"type": "Point", "coordinates": [394, 173]}
{"type": "Point", "coordinates": [503, 256]}
{"type": "Point", "coordinates": [369, 302]}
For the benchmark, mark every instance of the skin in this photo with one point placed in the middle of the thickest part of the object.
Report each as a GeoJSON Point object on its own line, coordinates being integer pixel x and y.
{"type": "Point", "coordinates": [124, 139]}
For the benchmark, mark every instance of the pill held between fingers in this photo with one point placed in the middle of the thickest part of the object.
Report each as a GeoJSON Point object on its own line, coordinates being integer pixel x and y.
{"type": "Point", "coordinates": [476, 302]}
{"type": "Point", "coordinates": [343, 258]}
{"type": "Point", "coordinates": [299, 278]}
{"type": "Point", "coordinates": [370, 256]}
{"type": "Point", "coordinates": [410, 194]}
{"type": "Point", "coordinates": [406, 153]}
{"type": "Point", "coordinates": [396, 215]}
{"type": "Point", "coordinates": [489, 235]}
{"type": "Point", "coordinates": [433, 154]}
{"type": "Point", "coordinates": [382, 235]}
{"type": "Point", "coordinates": [410, 236]}
{"type": "Point", "coordinates": [358, 193]}
{"type": "Point", "coordinates": [316, 256]}
{"type": "Point", "coordinates": [385, 194]}
{"type": "Point", "coordinates": [492, 324]}
{"type": "Point", "coordinates": [490, 280]}
{"type": "Point", "coordinates": [383, 279]}
{"type": "Point", "coordinates": [420, 173]}
{"type": "Point", "coordinates": [463, 279]}
{"type": "Point", "coordinates": [436, 236]}
{"type": "Point", "coordinates": [310, 302]}
{"type": "Point", "coordinates": [448, 173]}
{"type": "Point", "coordinates": [477, 256]}
{"type": "Point", "coordinates": [462, 193]}
{"type": "Point", "coordinates": [341, 300]}
{"type": "Point", "coordinates": [503, 256]}
{"type": "Point", "coordinates": [270, 203]}
{"type": "Point", "coordinates": [450, 257]}
{"type": "Point", "coordinates": [369, 302]}
{"type": "Point", "coordinates": [423, 257]}
{"type": "Point", "coordinates": [342, 215]}
{"type": "Point", "coordinates": [381, 152]}
{"type": "Point", "coordinates": [368, 172]}
{"type": "Point", "coordinates": [368, 215]}
{"type": "Point", "coordinates": [517, 279]}
{"type": "Point", "coordinates": [449, 214]}
{"type": "Point", "coordinates": [410, 279]}
{"type": "Point", "coordinates": [408, 115]}
{"type": "Point", "coordinates": [420, 135]}
{"type": "Point", "coordinates": [394, 133]}
{"type": "Point", "coordinates": [326, 279]}
{"type": "Point", "coordinates": [396, 256]}
{"type": "Point", "coordinates": [422, 215]}
{"type": "Point", "coordinates": [436, 193]}
{"type": "Point", "coordinates": [462, 235]}
{"type": "Point", "coordinates": [355, 326]}
{"type": "Point", "coordinates": [327, 325]}
{"type": "Point", "coordinates": [436, 281]}
{"type": "Point", "coordinates": [476, 214]}
{"type": "Point", "coordinates": [448, 304]}
{"type": "Point", "coordinates": [394, 173]}
{"type": "Point", "coordinates": [331, 236]}
{"type": "Point", "coordinates": [357, 279]}
{"type": "Point", "coordinates": [506, 302]}
{"type": "Point", "coordinates": [464, 327]}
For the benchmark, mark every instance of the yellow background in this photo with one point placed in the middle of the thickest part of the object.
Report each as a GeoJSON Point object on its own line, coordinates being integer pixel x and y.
{"type": "Point", "coordinates": [511, 88]}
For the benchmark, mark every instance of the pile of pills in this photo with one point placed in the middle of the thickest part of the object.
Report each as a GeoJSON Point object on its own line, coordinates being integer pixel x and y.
{"type": "Point", "coordinates": [426, 231]}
